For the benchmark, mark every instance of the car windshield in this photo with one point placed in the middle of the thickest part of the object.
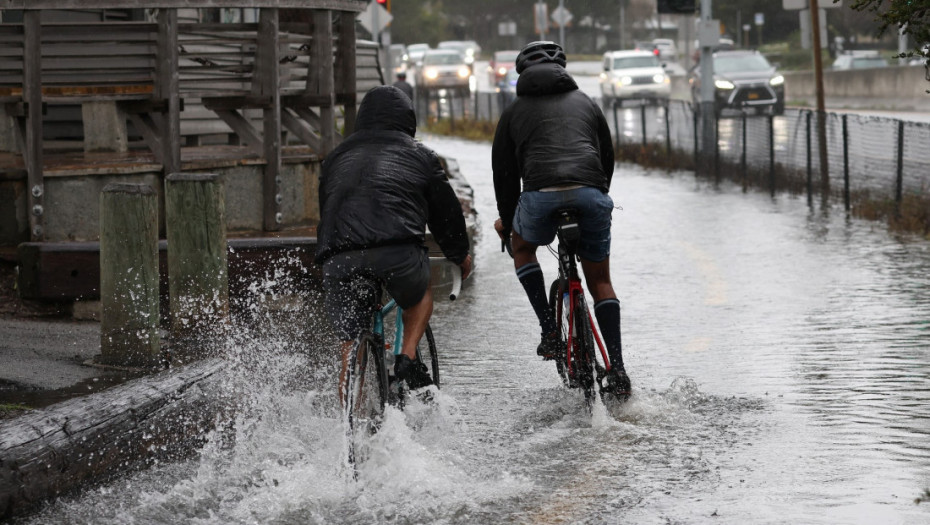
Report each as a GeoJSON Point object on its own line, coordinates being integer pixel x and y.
{"type": "Point", "coordinates": [740, 63]}
{"type": "Point", "coordinates": [631, 62]}
{"type": "Point", "coordinates": [442, 59]}
{"type": "Point", "coordinates": [508, 56]}
{"type": "Point", "coordinates": [866, 62]}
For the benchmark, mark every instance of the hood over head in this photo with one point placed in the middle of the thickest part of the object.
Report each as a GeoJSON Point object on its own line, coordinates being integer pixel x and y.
{"type": "Point", "coordinates": [545, 79]}
{"type": "Point", "coordinates": [386, 108]}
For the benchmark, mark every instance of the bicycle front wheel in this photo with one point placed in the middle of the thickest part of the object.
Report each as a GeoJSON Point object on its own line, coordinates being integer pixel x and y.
{"type": "Point", "coordinates": [366, 392]}
{"type": "Point", "coordinates": [558, 308]}
{"type": "Point", "coordinates": [427, 354]}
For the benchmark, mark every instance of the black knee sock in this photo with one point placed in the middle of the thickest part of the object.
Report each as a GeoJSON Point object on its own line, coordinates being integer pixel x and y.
{"type": "Point", "coordinates": [531, 277]}
{"type": "Point", "coordinates": [607, 313]}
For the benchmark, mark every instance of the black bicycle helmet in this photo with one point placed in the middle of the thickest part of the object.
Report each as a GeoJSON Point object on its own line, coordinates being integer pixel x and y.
{"type": "Point", "coordinates": [538, 53]}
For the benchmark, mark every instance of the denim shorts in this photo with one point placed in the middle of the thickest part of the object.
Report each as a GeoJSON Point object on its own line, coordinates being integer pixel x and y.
{"type": "Point", "coordinates": [353, 280]}
{"type": "Point", "coordinates": [534, 222]}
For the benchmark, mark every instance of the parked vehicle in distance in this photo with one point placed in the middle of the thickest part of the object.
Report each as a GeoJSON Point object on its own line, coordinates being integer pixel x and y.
{"type": "Point", "coordinates": [742, 79]}
{"type": "Point", "coordinates": [468, 48]}
{"type": "Point", "coordinates": [629, 75]}
{"type": "Point", "coordinates": [443, 68]}
{"type": "Point", "coordinates": [399, 58]}
{"type": "Point", "coordinates": [651, 47]}
{"type": "Point", "coordinates": [859, 60]}
{"type": "Point", "coordinates": [668, 51]}
{"type": "Point", "coordinates": [508, 88]}
{"type": "Point", "coordinates": [501, 62]}
{"type": "Point", "coordinates": [415, 54]}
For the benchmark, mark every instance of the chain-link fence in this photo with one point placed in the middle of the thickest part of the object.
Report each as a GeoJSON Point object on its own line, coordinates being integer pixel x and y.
{"type": "Point", "coordinates": [884, 158]}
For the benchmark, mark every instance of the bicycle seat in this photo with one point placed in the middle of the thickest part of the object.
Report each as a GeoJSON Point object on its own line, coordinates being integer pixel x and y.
{"type": "Point", "coordinates": [567, 228]}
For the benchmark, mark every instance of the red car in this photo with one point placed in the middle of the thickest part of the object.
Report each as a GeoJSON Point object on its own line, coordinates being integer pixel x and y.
{"type": "Point", "coordinates": [501, 62]}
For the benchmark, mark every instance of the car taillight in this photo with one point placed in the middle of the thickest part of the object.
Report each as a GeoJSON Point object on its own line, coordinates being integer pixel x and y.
{"type": "Point", "coordinates": [655, 51]}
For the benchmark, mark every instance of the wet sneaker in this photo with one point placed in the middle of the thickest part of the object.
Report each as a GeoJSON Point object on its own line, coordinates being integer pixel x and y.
{"type": "Point", "coordinates": [618, 383]}
{"type": "Point", "coordinates": [413, 372]}
{"type": "Point", "coordinates": [551, 346]}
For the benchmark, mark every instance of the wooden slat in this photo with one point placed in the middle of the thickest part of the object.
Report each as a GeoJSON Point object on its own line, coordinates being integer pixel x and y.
{"type": "Point", "coordinates": [32, 94]}
{"type": "Point", "coordinates": [167, 89]}
{"type": "Point", "coordinates": [268, 56]}
{"type": "Point", "coordinates": [297, 127]}
{"type": "Point", "coordinates": [243, 128]}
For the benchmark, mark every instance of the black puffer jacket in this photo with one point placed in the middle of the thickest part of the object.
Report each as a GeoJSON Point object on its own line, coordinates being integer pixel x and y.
{"type": "Point", "coordinates": [380, 187]}
{"type": "Point", "coordinates": [553, 134]}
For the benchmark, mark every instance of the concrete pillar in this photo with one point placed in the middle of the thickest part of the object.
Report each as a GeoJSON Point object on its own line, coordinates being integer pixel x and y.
{"type": "Point", "coordinates": [8, 141]}
{"type": "Point", "coordinates": [104, 127]}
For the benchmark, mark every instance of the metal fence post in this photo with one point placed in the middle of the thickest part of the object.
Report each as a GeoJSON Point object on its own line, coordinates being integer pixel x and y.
{"type": "Point", "coordinates": [668, 130]}
{"type": "Point", "coordinates": [772, 154]}
{"type": "Point", "coordinates": [810, 160]}
{"type": "Point", "coordinates": [694, 118]}
{"type": "Point", "coordinates": [743, 156]}
{"type": "Point", "coordinates": [717, 149]}
{"type": "Point", "coordinates": [642, 121]}
{"type": "Point", "coordinates": [845, 163]}
{"type": "Point", "coordinates": [899, 180]}
{"type": "Point", "coordinates": [452, 110]}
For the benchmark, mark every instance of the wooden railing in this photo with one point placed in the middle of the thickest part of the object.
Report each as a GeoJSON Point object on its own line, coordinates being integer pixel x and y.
{"type": "Point", "coordinates": [295, 73]}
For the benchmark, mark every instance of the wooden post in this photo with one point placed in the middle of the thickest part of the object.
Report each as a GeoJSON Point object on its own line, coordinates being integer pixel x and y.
{"type": "Point", "coordinates": [32, 96]}
{"type": "Point", "coordinates": [320, 79]}
{"type": "Point", "coordinates": [129, 275]}
{"type": "Point", "coordinates": [267, 82]}
{"type": "Point", "coordinates": [347, 63]}
{"type": "Point", "coordinates": [167, 88]}
{"type": "Point", "coordinates": [198, 282]}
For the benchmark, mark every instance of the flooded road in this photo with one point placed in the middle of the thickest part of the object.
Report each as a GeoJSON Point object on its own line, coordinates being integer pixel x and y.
{"type": "Point", "coordinates": [780, 360]}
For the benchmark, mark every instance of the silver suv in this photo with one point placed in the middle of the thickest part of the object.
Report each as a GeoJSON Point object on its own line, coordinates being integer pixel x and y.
{"type": "Point", "coordinates": [630, 75]}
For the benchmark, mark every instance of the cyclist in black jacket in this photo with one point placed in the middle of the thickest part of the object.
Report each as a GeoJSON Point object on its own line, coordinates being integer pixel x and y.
{"type": "Point", "coordinates": [555, 140]}
{"type": "Point", "coordinates": [379, 190]}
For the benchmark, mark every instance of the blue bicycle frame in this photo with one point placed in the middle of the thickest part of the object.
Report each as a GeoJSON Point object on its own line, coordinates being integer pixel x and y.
{"type": "Point", "coordinates": [398, 325]}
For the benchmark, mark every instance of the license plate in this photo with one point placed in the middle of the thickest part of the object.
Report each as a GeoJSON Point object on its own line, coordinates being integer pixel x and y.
{"type": "Point", "coordinates": [753, 96]}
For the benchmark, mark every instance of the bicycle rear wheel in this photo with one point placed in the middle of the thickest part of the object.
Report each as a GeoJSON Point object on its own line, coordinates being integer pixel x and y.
{"type": "Point", "coordinates": [558, 307]}
{"type": "Point", "coordinates": [366, 393]}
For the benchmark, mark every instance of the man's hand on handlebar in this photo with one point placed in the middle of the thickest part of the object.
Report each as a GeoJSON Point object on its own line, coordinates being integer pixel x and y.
{"type": "Point", "coordinates": [466, 267]}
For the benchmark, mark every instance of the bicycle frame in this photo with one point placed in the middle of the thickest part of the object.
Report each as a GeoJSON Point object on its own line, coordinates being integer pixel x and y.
{"type": "Point", "coordinates": [378, 328]}
{"type": "Point", "coordinates": [570, 284]}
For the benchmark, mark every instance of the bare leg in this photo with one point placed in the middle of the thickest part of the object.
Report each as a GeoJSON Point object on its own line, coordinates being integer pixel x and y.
{"type": "Point", "coordinates": [597, 275]}
{"type": "Point", "coordinates": [523, 252]}
{"type": "Point", "coordinates": [415, 321]}
{"type": "Point", "coordinates": [346, 352]}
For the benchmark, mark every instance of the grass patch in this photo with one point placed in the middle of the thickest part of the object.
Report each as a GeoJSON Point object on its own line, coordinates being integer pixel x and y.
{"type": "Point", "coordinates": [8, 410]}
{"type": "Point", "coordinates": [466, 129]}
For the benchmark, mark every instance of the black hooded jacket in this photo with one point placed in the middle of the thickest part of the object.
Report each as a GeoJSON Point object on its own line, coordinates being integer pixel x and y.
{"type": "Point", "coordinates": [380, 187]}
{"type": "Point", "coordinates": [552, 135]}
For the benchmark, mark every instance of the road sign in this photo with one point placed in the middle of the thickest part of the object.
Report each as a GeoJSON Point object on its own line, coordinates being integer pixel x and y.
{"type": "Point", "coordinates": [375, 18]}
{"type": "Point", "coordinates": [760, 19]}
{"type": "Point", "coordinates": [540, 20]}
{"type": "Point", "coordinates": [507, 28]}
{"type": "Point", "coordinates": [561, 16]}
{"type": "Point", "coordinates": [806, 37]}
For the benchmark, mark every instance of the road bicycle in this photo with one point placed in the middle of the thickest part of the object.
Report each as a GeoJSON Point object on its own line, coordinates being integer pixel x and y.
{"type": "Point", "coordinates": [577, 365]}
{"type": "Point", "coordinates": [369, 381]}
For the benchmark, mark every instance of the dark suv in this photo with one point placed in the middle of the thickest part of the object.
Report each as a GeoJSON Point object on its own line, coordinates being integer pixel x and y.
{"type": "Point", "coordinates": [742, 80]}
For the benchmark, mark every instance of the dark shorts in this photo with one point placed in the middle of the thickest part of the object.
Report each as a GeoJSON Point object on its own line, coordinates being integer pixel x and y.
{"type": "Point", "coordinates": [533, 218]}
{"type": "Point", "coordinates": [353, 281]}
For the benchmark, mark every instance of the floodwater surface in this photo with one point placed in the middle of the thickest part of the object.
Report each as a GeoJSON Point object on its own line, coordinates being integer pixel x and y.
{"type": "Point", "coordinates": [780, 358]}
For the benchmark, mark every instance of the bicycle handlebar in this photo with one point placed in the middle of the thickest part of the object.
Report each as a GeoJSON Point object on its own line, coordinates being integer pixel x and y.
{"type": "Point", "coordinates": [456, 275]}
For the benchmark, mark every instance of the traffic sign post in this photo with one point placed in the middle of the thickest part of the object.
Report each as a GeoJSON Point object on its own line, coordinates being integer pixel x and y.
{"type": "Point", "coordinates": [541, 19]}
{"type": "Point", "coordinates": [561, 17]}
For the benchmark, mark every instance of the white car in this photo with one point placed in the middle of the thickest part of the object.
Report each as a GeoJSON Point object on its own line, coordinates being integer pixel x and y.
{"type": "Point", "coordinates": [630, 75]}
{"type": "Point", "coordinates": [668, 51]}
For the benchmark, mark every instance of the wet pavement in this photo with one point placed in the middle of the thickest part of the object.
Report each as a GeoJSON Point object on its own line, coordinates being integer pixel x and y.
{"type": "Point", "coordinates": [780, 358]}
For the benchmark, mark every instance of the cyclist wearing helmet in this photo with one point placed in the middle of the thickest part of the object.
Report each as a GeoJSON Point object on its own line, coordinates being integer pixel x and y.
{"type": "Point", "coordinates": [555, 140]}
{"type": "Point", "coordinates": [379, 190]}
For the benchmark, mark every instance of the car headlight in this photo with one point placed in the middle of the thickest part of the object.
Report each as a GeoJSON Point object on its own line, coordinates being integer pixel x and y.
{"type": "Point", "coordinates": [603, 76]}
{"type": "Point", "coordinates": [724, 84]}
{"type": "Point", "coordinates": [431, 73]}
{"type": "Point", "coordinates": [502, 71]}
{"type": "Point", "coordinates": [659, 78]}
{"type": "Point", "coordinates": [464, 72]}
{"type": "Point", "coordinates": [624, 81]}
{"type": "Point", "coordinates": [777, 80]}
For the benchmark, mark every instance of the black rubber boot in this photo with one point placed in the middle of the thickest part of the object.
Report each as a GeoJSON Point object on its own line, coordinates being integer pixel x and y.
{"type": "Point", "coordinates": [413, 372]}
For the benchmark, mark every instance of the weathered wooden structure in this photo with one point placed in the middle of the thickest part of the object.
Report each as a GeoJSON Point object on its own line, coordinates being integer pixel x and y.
{"type": "Point", "coordinates": [160, 87]}
{"type": "Point", "coordinates": [282, 87]}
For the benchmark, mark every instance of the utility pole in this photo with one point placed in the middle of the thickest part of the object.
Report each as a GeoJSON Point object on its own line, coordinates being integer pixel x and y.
{"type": "Point", "coordinates": [708, 38]}
{"type": "Point", "coordinates": [821, 110]}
